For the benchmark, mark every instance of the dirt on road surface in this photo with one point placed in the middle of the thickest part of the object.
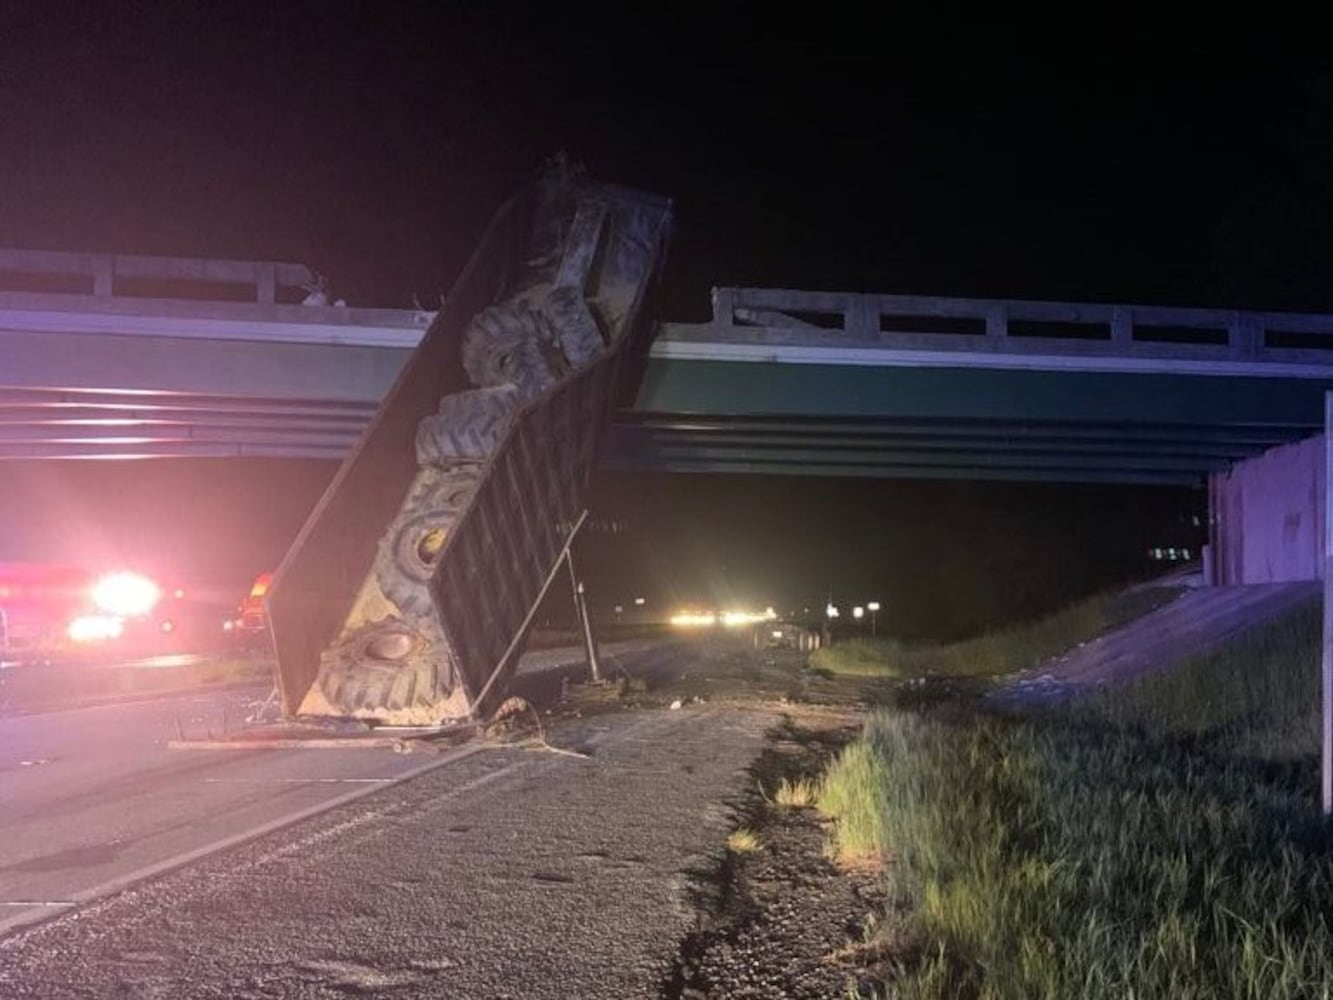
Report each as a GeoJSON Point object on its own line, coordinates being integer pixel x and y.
{"type": "Point", "coordinates": [586, 858]}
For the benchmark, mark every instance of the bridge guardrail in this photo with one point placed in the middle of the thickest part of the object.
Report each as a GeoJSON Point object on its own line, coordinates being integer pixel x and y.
{"type": "Point", "coordinates": [98, 273]}
{"type": "Point", "coordinates": [783, 316]}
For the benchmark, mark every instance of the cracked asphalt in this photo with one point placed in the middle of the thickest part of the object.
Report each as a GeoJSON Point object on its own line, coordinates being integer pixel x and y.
{"type": "Point", "coordinates": [507, 872]}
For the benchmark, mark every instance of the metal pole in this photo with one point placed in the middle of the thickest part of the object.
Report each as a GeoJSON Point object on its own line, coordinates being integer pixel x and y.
{"type": "Point", "coordinates": [585, 623]}
{"type": "Point", "coordinates": [1326, 758]}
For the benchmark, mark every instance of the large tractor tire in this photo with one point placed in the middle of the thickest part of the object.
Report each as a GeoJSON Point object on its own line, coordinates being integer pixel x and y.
{"type": "Point", "coordinates": [386, 669]}
{"type": "Point", "coordinates": [468, 427]}
{"type": "Point", "coordinates": [574, 326]}
{"type": "Point", "coordinates": [410, 549]}
{"type": "Point", "coordinates": [512, 344]}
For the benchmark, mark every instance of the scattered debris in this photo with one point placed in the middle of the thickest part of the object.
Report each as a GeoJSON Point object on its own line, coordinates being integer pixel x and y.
{"type": "Point", "coordinates": [507, 722]}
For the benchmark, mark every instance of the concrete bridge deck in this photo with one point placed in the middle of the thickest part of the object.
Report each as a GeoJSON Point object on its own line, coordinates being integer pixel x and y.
{"type": "Point", "coordinates": [108, 365]}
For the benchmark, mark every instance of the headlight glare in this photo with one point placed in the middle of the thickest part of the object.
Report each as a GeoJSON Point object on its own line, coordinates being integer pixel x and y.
{"type": "Point", "coordinates": [126, 594]}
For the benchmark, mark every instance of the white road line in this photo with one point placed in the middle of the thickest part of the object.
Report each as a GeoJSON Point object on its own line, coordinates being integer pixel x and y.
{"type": "Point", "coordinates": [299, 781]}
{"type": "Point", "coordinates": [30, 903]}
{"type": "Point", "coordinates": [421, 808]}
{"type": "Point", "coordinates": [187, 857]}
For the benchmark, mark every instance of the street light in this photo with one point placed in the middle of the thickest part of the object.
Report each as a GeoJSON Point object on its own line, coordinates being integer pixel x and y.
{"type": "Point", "coordinates": [638, 602]}
{"type": "Point", "coordinates": [858, 612]}
{"type": "Point", "coordinates": [832, 610]}
{"type": "Point", "coordinates": [873, 607]}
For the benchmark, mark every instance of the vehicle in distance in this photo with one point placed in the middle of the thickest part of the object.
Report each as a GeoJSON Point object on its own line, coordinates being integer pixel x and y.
{"type": "Point", "coordinates": [248, 629]}
{"type": "Point", "coordinates": [52, 611]}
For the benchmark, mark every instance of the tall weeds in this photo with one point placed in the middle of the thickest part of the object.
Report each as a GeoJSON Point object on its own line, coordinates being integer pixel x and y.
{"type": "Point", "coordinates": [1158, 841]}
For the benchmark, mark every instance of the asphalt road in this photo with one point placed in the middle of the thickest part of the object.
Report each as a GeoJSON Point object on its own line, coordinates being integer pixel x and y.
{"type": "Point", "coordinates": [92, 799]}
{"type": "Point", "coordinates": [500, 872]}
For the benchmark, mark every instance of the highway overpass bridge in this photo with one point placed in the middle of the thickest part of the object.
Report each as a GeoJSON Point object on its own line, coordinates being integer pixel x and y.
{"type": "Point", "coordinates": [135, 357]}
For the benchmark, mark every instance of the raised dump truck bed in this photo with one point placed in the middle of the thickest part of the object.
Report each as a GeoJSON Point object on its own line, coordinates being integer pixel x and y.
{"type": "Point", "coordinates": [408, 593]}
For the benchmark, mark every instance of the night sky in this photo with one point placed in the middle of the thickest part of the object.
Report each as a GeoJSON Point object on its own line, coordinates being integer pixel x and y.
{"type": "Point", "coordinates": [374, 141]}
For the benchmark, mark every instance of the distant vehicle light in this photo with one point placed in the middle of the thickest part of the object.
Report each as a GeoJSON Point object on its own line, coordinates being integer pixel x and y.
{"type": "Point", "coordinates": [777, 633]}
{"type": "Point", "coordinates": [168, 626]}
{"type": "Point", "coordinates": [707, 619]}
{"type": "Point", "coordinates": [128, 595]}
{"type": "Point", "coordinates": [228, 625]}
{"type": "Point", "coordinates": [734, 619]}
{"type": "Point", "coordinates": [690, 619]}
{"type": "Point", "coordinates": [95, 628]}
{"type": "Point", "coordinates": [179, 593]}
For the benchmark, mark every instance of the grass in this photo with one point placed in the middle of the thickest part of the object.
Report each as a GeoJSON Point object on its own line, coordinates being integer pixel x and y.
{"type": "Point", "coordinates": [1258, 696]}
{"type": "Point", "coordinates": [1161, 840]}
{"type": "Point", "coordinates": [993, 653]}
{"type": "Point", "coordinates": [743, 840]}
{"type": "Point", "coordinates": [799, 793]}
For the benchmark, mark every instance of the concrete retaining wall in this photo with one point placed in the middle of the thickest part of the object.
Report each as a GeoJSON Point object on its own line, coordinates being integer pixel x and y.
{"type": "Point", "coordinates": [1267, 517]}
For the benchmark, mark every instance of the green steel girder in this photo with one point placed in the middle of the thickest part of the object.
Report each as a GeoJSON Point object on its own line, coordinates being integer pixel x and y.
{"type": "Point", "coordinates": [717, 388]}
{"type": "Point", "coordinates": [718, 416]}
